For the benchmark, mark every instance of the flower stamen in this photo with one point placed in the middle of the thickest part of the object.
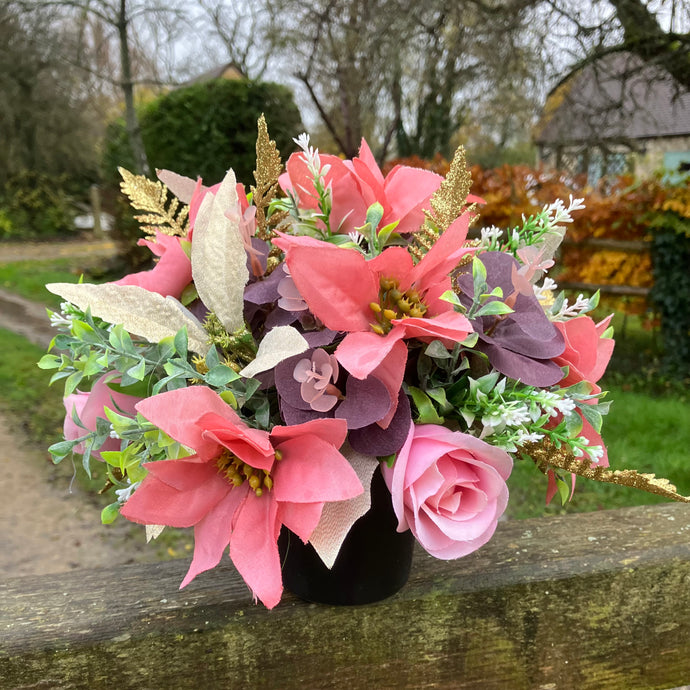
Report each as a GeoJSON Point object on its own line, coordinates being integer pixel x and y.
{"type": "Point", "coordinates": [395, 304]}
{"type": "Point", "coordinates": [236, 471]}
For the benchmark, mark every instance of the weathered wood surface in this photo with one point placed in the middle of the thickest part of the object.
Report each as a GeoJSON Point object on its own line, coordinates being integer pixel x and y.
{"type": "Point", "coordinates": [594, 601]}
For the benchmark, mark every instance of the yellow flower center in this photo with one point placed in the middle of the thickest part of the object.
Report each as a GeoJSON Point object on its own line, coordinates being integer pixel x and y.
{"type": "Point", "coordinates": [236, 471]}
{"type": "Point", "coordinates": [395, 304]}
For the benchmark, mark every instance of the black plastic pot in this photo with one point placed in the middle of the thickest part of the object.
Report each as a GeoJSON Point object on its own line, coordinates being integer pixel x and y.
{"type": "Point", "coordinates": [373, 563]}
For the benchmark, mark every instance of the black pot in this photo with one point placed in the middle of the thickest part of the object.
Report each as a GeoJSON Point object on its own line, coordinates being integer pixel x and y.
{"type": "Point", "coordinates": [373, 563]}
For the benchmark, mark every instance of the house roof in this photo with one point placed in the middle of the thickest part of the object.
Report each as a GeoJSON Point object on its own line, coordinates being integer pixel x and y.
{"type": "Point", "coordinates": [229, 70]}
{"type": "Point", "coordinates": [617, 98]}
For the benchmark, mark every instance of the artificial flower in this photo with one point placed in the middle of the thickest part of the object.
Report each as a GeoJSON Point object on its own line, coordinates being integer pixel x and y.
{"type": "Point", "coordinates": [172, 272]}
{"type": "Point", "coordinates": [90, 406]}
{"type": "Point", "coordinates": [357, 184]}
{"type": "Point", "coordinates": [449, 488]}
{"type": "Point", "coordinates": [381, 301]}
{"type": "Point", "coordinates": [522, 344]}
{"type": "Point", "coordinates": [357, 331]}
{"type": "Point", "coordinates": [587, 352]}
{"type": "Point", "coordinates": [241, 485]}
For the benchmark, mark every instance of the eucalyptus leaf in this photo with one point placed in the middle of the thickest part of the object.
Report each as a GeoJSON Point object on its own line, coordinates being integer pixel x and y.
{"type": "Point", "coordinates": [181, 342]}
{"type": "Point", "coordinates": [386, 233]}
{"type": "Point", "coordinates": [437, 350]}
{"type": "Point", "coordinates": [220, 375]}
{"type": "Point", "coordinates": [138, 371]}
{"type": "Point", "coordinates": [229, 398]}
{"type": "Point", "coordinates": [573, 424]}
{"type": "Point", "coordinates": [563, 490]}
{"type": "Point", "coordinates": [73, 380]}
{"type": "Point", "coordinates": [59, 451]}
{"type": "Point", "coordinates": [592, 415]}
{"type": "Point", "coordinates": [49, 362]}
{"type": "Point", "coordinates": [494, 308]}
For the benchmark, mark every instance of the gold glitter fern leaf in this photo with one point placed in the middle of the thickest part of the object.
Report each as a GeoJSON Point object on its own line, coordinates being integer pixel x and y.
{"type": "Point", "coordinates": [268, 168]}
{"type": "Point", "coordinates": [547, 456]}
{"type": "Point", "coordinates": [447, 203]}
{"type": "Point", "coordinates": [163, 212]}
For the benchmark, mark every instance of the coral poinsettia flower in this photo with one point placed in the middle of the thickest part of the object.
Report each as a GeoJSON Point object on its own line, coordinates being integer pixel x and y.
{"type": "Point", "coordinates": [381, 301]}
{"type": "Point", "coordinates": [358, 183]}
{"type": "Point", "coordinates": [587, 352]}
{"type": "Point", "coordinates": [241, 485]}
{"type": "Point", "coordinates": [171, 274]}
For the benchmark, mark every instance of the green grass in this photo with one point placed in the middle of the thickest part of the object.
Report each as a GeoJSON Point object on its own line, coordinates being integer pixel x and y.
{"type": "Point", "coordinates": [28, 278]}
{"type": "Point", "coordinates": [26, 397]}
{"type": "Point", "coordinates": [643, 433]}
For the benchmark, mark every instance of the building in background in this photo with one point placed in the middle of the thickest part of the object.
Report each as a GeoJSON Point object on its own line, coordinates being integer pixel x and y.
{"type": "Point", "coordinates": [613, 116]}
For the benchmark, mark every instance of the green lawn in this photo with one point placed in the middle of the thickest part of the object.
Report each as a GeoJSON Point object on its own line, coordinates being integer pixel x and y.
{"type": "Point", "coordinates": [28, 278]}
{"type": "Point", "coordinates": [647, 434]}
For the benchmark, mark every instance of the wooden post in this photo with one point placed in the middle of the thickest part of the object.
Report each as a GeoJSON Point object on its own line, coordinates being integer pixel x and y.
{"type": "Point", "coordinates": [590, 601]}
{"type": "Point", "coordinates": [95, 194]}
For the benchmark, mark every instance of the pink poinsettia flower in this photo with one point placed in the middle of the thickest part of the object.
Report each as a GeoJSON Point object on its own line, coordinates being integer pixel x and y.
{"type": "Point", "coordinates": [381, 301]}
{"type": "Point", "coordinates": [357, 184]}
{"type": "Point", "coordinates": [172, 272]}
{"type": "Point", "coordinates": [241, 485]}
{"type": "Point", "coordinates": [587, 352]}
{"type": "Point", "coordinates": [90, 406]}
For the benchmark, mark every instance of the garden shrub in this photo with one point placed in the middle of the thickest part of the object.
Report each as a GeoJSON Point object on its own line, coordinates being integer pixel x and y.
{"type": "Point", "coordinates": [35, 205]}
{"type": "Point", "coordinates": [199, 131]}
{"type": "Point", "coordinates": [204, 129]}
{"type": "Point", "coordinates": [671, 292]}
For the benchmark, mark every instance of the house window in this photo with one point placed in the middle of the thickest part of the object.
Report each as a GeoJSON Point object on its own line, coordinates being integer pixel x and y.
{"type": "Point", "coordinates": [676, 166]}
{"type": "Point", "coordinates": [601, 164]}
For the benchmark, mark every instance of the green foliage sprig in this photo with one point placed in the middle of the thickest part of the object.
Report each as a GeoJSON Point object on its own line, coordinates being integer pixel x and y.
{"type": "Point", "coordinates": [89, 348]}
{"type": "Point", "coordinates": [510, 413]}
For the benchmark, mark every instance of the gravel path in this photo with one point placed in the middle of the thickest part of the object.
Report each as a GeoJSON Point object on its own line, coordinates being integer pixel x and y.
{"type": "Point", "coordinates": [48, 524]}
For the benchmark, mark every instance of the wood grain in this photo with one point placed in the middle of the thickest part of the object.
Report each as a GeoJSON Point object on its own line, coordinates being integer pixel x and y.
{"type": "Point", "coordinates": [598, 600]}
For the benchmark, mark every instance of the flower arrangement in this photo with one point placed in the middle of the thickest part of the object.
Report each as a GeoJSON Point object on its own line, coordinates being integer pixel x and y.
{"type": "Point", "coordinates": [291, 340]}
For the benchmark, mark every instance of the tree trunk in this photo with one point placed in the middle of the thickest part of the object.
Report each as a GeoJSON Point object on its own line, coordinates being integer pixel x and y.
{"type": "Point", "coordinates": [132, 121]}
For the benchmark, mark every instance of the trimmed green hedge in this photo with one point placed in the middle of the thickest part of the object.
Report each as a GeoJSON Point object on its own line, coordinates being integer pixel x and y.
{"type": "Point", "coordinates": [671, 292]}
{"type": "Point", "coordinates": [204, 129]}
{"type": "Point", "coordinates": [35, 205]}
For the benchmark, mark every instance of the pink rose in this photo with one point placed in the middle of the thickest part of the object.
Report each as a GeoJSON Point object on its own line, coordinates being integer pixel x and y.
{"type": "Point", "coordinates": [89, 407]}
{"type": "Point", "coordinates": [449, 488]}
{"type": "Point", "coordinates": [586, 353]}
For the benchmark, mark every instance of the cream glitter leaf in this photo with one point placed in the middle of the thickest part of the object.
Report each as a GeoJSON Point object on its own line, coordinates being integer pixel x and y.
{"type": "Point", "coordinates": [182, 187]}
{"type": "Point", "coordinates": [219, 260]}
{"type": "Point", "coordinates": [153, 532]}
{"type": "Point", "coordinates": [141, 312]}
{"type": "Point", "coordinates": [278, 344]}
{"type": "Point", "coordinates": [338, 517]}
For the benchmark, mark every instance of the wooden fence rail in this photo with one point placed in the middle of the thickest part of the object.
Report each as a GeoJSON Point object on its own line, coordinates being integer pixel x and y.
{"type": "Point", "coordinates": [599, 600]}
{"type": "Point", "coordinates": [627, 246]}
